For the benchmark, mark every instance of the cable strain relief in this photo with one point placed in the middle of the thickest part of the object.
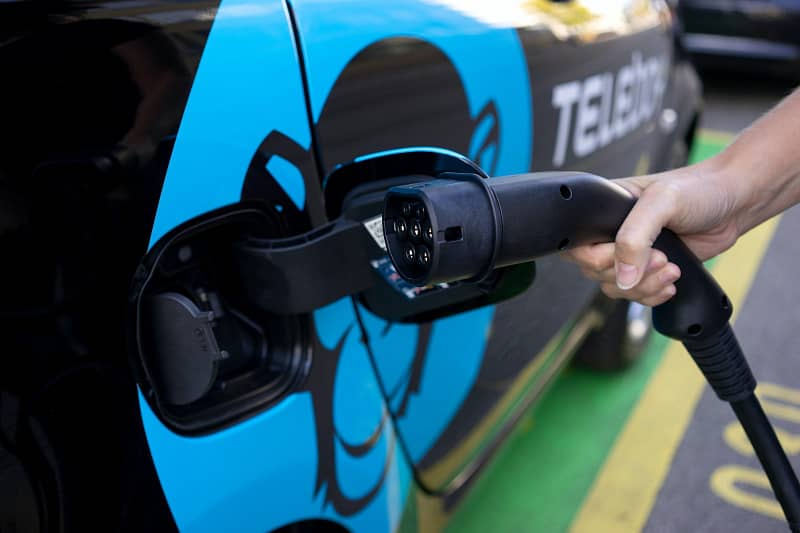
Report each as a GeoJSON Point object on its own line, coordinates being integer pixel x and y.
{"type": "Point", "coordinates": [722, 362]}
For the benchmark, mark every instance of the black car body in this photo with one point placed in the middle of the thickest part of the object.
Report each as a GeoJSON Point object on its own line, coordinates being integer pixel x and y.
{"type": "Point", "coordinates": [151, 378]}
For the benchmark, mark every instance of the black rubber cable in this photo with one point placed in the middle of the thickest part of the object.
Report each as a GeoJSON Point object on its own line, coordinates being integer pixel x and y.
{"type": "Point", "coordinates": [772, 457]}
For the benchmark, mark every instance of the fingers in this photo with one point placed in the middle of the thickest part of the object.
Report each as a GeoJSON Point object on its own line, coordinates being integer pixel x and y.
{"type": "Point", "coordinates": [612, 291]}
{"type": "Point", "coordinates": [655, 287]}
{"type": "Point", "coordinates": [597, 260]}
{"type": "Point", "coordinates": [594, 258]}
{"type": "Point", "coordinates": [629, 268]}
{"type": "Point", "coordinates": [652, 284]}
{"type": "Point", "coordinates": [657, 261]}
{"type": "Point", "coordinates": [630, 254]}
{"type": "Point", "coordinates": [634, 240]}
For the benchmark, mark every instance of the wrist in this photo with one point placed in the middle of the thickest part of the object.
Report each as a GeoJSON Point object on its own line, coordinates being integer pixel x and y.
{"type": "Point", "coordinates": [722, 199]}
{"type": "Point", "coordinates": [750, 192]}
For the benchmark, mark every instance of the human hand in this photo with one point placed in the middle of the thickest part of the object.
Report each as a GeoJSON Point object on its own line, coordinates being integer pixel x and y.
{"type": "Point", "coordinates": [695, 202]}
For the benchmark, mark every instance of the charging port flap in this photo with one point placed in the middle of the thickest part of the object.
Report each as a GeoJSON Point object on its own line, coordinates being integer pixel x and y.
{"type": "Point", "coordinates": [303, 273]}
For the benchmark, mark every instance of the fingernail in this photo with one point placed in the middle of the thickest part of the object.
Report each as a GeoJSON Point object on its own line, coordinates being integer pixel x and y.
{"type": "Point", "coordinates": [626, 276]}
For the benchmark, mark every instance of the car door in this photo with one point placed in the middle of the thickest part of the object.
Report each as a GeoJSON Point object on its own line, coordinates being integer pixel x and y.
{"type": "Point", "coordinates": [254, 420]}
{"type": "Point", "coordinates": [504, 83]}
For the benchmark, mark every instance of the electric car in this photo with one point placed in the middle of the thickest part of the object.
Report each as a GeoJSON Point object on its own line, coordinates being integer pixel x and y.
{"type": "Point", "coordinates": [195, 338]}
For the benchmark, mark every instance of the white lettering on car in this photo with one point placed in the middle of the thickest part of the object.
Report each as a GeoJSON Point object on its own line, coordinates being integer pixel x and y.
{"type": "Point", "coordinates": [607, 106]}
{"type": "Point", "coordinates": [564, 96]}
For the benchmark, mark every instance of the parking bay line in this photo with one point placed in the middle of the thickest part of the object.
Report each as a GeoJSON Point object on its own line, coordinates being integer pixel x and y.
{"type": "Point", "coordinates": [626, 488]}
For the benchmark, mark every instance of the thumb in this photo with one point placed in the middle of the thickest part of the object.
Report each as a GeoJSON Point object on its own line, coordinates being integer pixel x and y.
{"type": "Point", "coordinates": [654, 209]}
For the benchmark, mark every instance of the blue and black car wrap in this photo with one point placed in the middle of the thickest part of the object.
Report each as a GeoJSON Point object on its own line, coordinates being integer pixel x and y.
{"type": "Point", "coordinates": [152, 379]}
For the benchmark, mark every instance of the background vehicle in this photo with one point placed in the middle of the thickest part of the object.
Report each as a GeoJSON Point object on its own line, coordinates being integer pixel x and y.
{"type": "Point", "coordinates": [742, 35]}
{"type": "Point", "coordinates": [127, 127]}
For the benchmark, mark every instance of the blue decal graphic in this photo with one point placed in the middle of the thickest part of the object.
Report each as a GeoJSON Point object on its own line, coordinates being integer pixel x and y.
{"type": "Point", "coordinates": [451, 362]}
{"type": "Point", "coordinates": [333, 33]}
{"type": "Point", "coordinates": [289, 178]}
{"type": "Point", "coordinates": [428, 372]}
{"type": "Point", "coordinates": [486, 139]}
{"type": "Point", "coordinates": [282, 172]}
{"type": "Point", "coordinates": [247, 84]}
{"type": "Point", "coordinates": [245, 116]}
{"type": "Point", "coordinates": [328, 451]}
{"type": "Point", "coordinates": [353, 429]}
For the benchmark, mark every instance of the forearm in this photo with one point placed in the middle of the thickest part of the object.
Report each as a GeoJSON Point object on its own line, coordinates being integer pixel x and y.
{"type": "Point", "coordinates": [762, 166]}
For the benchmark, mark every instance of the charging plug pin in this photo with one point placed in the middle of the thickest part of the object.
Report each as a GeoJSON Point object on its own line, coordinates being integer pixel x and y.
{"type": "Point", "coordinates": [400, 227]}
{"type": "Point", "coordinates": [428, 233]}
{"type": "Point", "coordinates": [424, 255]}
{"type": "Point", "coordinates": [410, 253]}
{"type": "Point", "coordinates": [416, 230]}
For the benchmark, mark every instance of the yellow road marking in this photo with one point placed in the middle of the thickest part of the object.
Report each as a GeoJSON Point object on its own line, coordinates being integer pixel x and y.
{"type": "Point", "coordinates": [748, 487]}
{"type": "Point", "coordinates": [728, 483]}
{"type": "Point", "coordinates": [735, 437]}
{"type": "Point", "coordinates": [777, 402]}
{"type": "Point", "coordinates": [716, 136]}
{"type": "Point", "coordinates": [625, 490]}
